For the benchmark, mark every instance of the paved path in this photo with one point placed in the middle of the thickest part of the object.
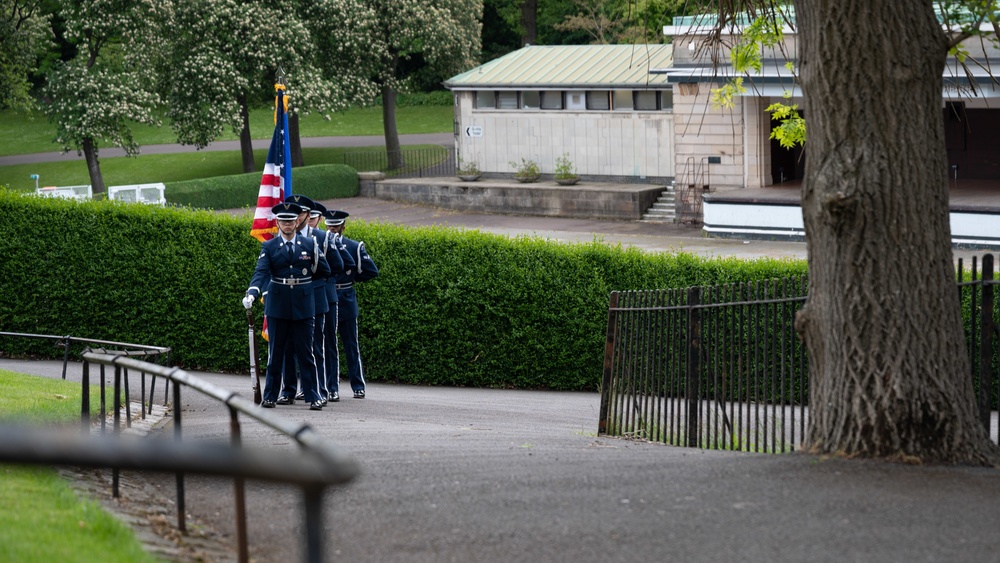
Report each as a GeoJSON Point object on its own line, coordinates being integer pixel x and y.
{"type": "Point", "coordinates": [452, 474]}
{"type": "Point", "coordinates": [309, 142]}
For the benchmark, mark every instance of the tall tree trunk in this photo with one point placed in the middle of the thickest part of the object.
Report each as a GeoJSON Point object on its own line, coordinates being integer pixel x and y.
{"type": "Point", "coordinates": [295, 140]}
{"type": "Point", "coordinates": [392, 148]}
{"type": "Point", "coordinates": [93, 166]}
{"type": "Point", "coordinates": [246, 143]}
{"type": "Point", "coordinates": [890, 375]}
{"type": "Point", "coordinates": [529, 19]}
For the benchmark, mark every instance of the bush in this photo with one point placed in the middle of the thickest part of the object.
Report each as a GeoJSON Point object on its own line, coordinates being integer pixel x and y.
{"type": "Point", "coordinates": [449, 307]}
{"type": "Point", "coordinates": [324, 181]}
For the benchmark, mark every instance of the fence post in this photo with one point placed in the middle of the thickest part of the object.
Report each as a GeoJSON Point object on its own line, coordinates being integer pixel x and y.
{"type": "Point", "coordinates": [609, 351]}
{"type": "Point", "coordinates": [986, 336]}
{"type": "Point", "coordinates": [693, 364]}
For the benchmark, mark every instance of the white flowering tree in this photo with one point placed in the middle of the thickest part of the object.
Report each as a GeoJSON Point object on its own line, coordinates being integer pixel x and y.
{"type": "Point", "coordinates": [225, 55]}
{"type": "Point", "coordinates": [400, 37]}
{"type": "Point", "coordinates": [93, 97]}
{"type": "Point", "coordinates": [24, 33]}
{"type": "Point", "coordinates": [337, 76]}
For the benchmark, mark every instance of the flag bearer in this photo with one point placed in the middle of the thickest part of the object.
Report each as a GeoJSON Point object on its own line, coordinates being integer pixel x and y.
{"type": "Point", "coordinates": [286, 266]}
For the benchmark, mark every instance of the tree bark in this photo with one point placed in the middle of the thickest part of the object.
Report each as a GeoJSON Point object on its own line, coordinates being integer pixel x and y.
{"type": "Point", "coordinates": [889, 371]}
{"type": "Point", "coordinates": [246, 143]}
{"type": "Point", "coordinates": [295, 140]}
{"type": "Point", "coordinates": [392, 148]}
{"type": "Point", "coordinates": [93, 166]}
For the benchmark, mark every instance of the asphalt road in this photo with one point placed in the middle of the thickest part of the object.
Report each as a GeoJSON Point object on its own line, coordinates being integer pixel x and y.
{"type": "Point", "coordinates": [453, 474]}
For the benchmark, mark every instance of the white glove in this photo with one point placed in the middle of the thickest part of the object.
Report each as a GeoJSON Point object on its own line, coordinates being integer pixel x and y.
{"type": "Point", "coordinates": [248, 301]}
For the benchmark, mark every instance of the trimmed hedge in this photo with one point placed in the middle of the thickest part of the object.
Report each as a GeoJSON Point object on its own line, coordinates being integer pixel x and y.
{"type": "Point", "coordinates": [449, 307]}
{"type": "Point", "coordinates": [323, 181]}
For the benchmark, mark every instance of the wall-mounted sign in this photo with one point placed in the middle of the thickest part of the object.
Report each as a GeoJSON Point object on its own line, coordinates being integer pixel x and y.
{"type": "Point", "coordinates": [474, 131]}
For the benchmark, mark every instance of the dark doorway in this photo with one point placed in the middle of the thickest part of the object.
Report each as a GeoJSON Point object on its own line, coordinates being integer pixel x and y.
{"type": "Point", "coordinates": [787, 165]}
{"type": "Point", "coordinates": [972, 142]}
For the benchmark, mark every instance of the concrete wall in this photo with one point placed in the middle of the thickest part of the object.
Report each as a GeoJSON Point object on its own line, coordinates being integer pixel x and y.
{"type": "Point", "coordinates": [624, 202]}
{"type": "Point", "coordinates": [609, 145]}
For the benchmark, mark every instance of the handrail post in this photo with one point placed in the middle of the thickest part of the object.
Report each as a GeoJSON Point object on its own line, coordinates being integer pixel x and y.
{"type": "Point", "coordinates": [313, 498]}
{"type": "Point", "coordinates": [85, 398]}
{"type": "Point", "coordinates": [115, 489]}
{"type": "Point", "coordinates": [181, 524]}
{"type": "Point", "coordinates": [240, 493]}
{"type": "Point", "coordinates": [66, 355]}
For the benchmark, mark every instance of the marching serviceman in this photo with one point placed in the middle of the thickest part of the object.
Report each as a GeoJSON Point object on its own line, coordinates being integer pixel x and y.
{"type": "Point", "coordinates": [286, 267]}
{"type": "Point", "coordinates": [347, 306]}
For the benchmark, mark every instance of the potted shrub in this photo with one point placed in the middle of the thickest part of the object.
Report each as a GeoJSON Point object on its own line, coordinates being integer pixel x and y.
{"type": "Point", "coordinates": [468, 171]}
{"type": "Point", "coordinates": [527, 171]}
{"type": "Point", "coordinates": [565, 171]}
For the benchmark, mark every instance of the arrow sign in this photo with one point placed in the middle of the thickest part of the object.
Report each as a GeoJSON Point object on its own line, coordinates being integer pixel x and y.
{"type": "Point", "coordinates": [474, 131]}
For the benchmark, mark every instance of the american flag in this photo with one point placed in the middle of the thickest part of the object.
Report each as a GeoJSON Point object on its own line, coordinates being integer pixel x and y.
{"type": "Point", "coordinates": [276, 183]}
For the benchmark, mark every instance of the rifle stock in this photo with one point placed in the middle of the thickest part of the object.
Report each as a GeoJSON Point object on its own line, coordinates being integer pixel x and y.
{"type": "Point", "coordinates": [254, 357]}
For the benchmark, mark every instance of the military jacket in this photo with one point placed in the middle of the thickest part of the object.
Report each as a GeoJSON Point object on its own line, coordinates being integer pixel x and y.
{"type": "Point", "coordinates": [286, 275]}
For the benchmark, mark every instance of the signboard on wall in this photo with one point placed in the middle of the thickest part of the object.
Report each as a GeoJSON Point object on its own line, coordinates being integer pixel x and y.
{"type": "Point", "coordinates": [474, 131]}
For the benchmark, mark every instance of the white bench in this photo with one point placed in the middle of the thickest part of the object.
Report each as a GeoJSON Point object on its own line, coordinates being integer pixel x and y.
{"type": "Point", "coordinates": [138, 193]}
{"type": "Point", "coordinates": [71, 192]}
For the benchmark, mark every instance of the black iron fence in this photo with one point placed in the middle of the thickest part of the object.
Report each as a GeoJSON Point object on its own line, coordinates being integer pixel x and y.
{"type": "Point", "coordinates": [406, 163]}
{"type": "Point", "coordinates": [722, 367]}
{"type": "Point", "coordinates": [319, 465]}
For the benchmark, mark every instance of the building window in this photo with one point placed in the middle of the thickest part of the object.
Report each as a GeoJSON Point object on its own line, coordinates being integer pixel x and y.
{"type": "Point", "coordinates": [667, 99]}
{"type": "Point", "coordinates": [622, 100]}
{"type": "Point", "coordinates": [646, 101]}
{"type": "Point", "coordinates": [530, 100]}
{"type": "Point", "coordinates": [506, 100]}
{"type": "Point", "coordinates": [552, 100]}
{"type": "Point", "coordinates": [599, 100]}
{"type": "Point", "coordinates": [576, 100]}
{"type": "Point", "coordinates": [486, 99]}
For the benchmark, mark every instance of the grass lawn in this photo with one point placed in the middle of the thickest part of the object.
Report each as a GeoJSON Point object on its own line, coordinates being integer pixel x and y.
{"type": "Point", "coordinates": [157, 167]}
{"type": "Point", "coordinates": [42, 518]}
{"type": "Point", "coordinates": [25, 134]}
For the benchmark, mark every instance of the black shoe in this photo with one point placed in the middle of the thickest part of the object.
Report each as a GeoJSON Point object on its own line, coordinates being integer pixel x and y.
{"type": "Point", "coordinates": [315, 406]}
{"type": "Point", "coordinates": [267, 404]}
{"type": "Point", "coordinates": [323, 400]}
{"type": "Point", "coordinates": [300, 396]}
{"type": "Point", "coordinates": [284, 400]}
{"type": "Point", "coordinates": [359, 394]}
{"type": "Point", "coordinates": [334, 397]}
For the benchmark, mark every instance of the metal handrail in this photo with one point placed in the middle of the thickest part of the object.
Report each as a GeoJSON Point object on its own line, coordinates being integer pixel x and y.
{"type": "Point", "coordinates": [320, 465]}
{"type": "Point", "coordinates": [68, 339]}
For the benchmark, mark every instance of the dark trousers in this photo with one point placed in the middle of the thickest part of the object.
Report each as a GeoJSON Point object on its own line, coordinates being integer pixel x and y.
{"type": "Point", "coordinates": [290, 377]}
{"type": "Point", "coordinates": [296, 336]}
{"type": "Point", "coordinates": [331, 352]}
{"type": "Point", "coordinates": [348, 330]}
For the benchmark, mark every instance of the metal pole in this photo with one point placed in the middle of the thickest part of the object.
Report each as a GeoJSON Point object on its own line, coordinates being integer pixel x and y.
{"type": "Point", "coordinates": [609, 351]}
{"type": "Point", "coordinates": [181, 525]}
{"type": "Point", "coordinates": [313, 497]}
{"type": "Point", "coordinates": [240, 492]}
{"type": "Point", "coordinates": [694, 364]}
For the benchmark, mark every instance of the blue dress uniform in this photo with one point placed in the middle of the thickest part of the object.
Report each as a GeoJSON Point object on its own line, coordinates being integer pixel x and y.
{"type": "Point", "coordinates": [347, 308]}
{"type": "Point", "coordinates": [286, 269]}
{"type": "Point", "coordinates": [330, 344]}
{"type": "Point", "coordinates": [335, 261]}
